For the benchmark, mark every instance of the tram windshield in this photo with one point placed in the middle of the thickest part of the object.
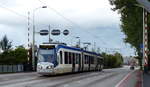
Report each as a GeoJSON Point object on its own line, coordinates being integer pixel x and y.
{"type": "Point", "coordinates": [46, 55]}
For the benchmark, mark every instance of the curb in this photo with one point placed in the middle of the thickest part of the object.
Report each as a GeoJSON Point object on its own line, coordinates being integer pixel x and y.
{"type": "Point", "coordinates": [121, 83]}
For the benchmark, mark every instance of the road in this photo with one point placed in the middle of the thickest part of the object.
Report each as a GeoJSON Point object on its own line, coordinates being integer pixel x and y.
{"type": "Point", "coordinates": [105, 78]}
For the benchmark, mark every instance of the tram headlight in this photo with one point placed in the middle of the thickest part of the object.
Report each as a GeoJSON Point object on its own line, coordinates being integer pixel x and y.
{"type": "Point", "coordinates": [49, 67]}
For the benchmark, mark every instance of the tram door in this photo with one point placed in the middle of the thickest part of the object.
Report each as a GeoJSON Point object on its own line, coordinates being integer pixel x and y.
{"type": "Point", "coordinates": [82, 62]}
{"type": "Point", "coordinates": [73, 62]}
{"type": "Point", "coordinates": [79, 58]}
{"type": "Point", "coordinates": [89, 62]}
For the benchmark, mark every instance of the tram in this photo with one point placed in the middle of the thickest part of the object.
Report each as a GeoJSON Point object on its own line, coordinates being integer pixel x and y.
{"type": "Point", "coordinates": [59, 58]}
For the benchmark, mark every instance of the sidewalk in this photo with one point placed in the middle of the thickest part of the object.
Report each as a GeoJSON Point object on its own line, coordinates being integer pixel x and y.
{"type": "Point", "coordinates": [146, 80]}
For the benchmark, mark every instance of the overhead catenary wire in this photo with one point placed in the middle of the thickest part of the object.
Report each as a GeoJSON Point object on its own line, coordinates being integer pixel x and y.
{"type": "Point", "coordinates": [67, 19]}
{"type": "Point", "coordinates": [14, 12]}
{"type": "Point", "coordinates": [54, 10]}
{"type": "Point", "coordinates": [58, 13]}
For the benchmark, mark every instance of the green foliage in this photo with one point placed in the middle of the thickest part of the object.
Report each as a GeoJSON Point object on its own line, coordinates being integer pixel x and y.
{"type": "Point", "coordinates": [9, 56]}
{"type": "Point", "coordinates": [17, 56]}
{"type": "Point", "coordinates": [112, 61]}
{"type": "Point", "coordinates": [5, 44]}
{"type": "Point", "coordinates": [132, 22]}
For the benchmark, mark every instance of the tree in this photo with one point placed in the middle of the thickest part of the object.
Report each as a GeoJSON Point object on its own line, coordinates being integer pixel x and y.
{"type": "Point", "coordinates": [17, 56]}
{"type": "Point", "coordinates": [5, 44]}
{"type": "Point", "coordinates": [112, 60]}
{"type": "Point", "coordinates": [20, 54]}
{"type": "Point", "coordinates": [131, 22]}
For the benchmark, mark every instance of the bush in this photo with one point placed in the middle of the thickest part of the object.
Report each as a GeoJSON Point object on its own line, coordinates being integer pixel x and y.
{"type": "Point", "coordinates": [17, 56]}
{"type": "Point", "coordinates": [112, 61]}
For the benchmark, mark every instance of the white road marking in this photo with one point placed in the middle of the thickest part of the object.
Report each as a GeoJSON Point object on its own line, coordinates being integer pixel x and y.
{"type": "Point", "coordinates": [66, 85]}
{"type": "Point", "coordinates": [124, 79]}
{"type": "Point", "coordinates": [78, 81]}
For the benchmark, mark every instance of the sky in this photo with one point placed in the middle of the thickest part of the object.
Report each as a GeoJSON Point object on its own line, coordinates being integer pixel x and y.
{"type": "Point", "coordinates": [91, 20]}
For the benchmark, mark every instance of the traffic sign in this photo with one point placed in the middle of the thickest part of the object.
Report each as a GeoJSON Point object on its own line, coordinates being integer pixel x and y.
{"type": "Point", "coordinates": [66, 32]}
{"type": "Point", "coordinates": [55, 32]}
{"type": "Point", "coordinates": [44, 32]}
{"type": "Point", "coordinates": [141, 46]}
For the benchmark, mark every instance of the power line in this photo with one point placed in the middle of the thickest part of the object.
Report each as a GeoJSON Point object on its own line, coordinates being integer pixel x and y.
{"type": "Point", "coordinates": [12, 11]}
{"type": "Point", "coordinates": [67, 19]}
{"type": "Point", "coordinates": [58, 13]}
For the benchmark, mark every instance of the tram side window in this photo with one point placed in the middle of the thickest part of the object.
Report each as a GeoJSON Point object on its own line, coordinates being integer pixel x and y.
{"type": "Point", "coordinates": [77, 58]}
{"type": "Point", "coordinates": [89, 59]}
{"type": "Point", "coordinates": [70, 59]}
{"type": "Point", "coordinates": [86, 59]}
{"type": "Point", "coordinates": [66, 57]}
{"type": "Point", "coordinates": [95, 60]}
{"type": "Point", "coordinates": [73, 58]}
{"type": "Point", "coordinates": [60, 57]}
{"type": "Point", "coordinates": [92, 60]}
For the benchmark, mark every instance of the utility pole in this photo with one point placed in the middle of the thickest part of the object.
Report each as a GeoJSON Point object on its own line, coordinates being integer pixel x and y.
{"type": "Point", "coordinates": [146, 8]}
{"type": "Point", "coordinates": [28, 54]}
{"type": "Point", "coordinates": [33, 38]}
{"type": "Point", "coordinates": [145, 39]}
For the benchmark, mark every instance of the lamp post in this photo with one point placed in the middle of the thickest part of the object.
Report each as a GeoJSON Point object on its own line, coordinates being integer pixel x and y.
{"type": "Point", "coordinates": [87, 44]}
{"type": "Point", "coordinates": [146, 8]}
{"type": "Point", "coordinates": [78, 41]}
{"type": "Point", "coordinates": [33, 41]}
{"type": "Point", "coordinates": [145, 38]}
{"type": "Point", "coordinates": [145, 28]}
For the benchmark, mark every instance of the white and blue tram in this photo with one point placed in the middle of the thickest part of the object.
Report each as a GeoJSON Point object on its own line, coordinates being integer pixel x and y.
{"type": "Point", "coordinates": [58, 59]}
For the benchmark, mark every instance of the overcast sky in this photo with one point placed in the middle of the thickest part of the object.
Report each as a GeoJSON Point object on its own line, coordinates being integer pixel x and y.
{"type": "Point", "coordinates": [91, 20]}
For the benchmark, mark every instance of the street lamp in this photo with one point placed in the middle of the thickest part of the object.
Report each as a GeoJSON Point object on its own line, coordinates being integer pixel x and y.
{"type": "Point", "coordinates": [33, 41]}
{"type": "Point", "coordinates": [87, 44]}
{"type": "Point", "coordinates": [146, 8]}
{"type": "Point", "coordinates": [145, 36]}
{"type": "Point", "coordinates": [78, 41]}
{"type": "Point", "coordinates": [144, 30]}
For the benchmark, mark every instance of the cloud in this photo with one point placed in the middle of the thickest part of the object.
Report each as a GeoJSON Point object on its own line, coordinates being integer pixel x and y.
{"type": "Point", "coordinates": [92, 20]}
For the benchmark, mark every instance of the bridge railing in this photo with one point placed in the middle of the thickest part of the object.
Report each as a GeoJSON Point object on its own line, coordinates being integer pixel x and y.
{"type": "Point", "coordinates": [11, 68]}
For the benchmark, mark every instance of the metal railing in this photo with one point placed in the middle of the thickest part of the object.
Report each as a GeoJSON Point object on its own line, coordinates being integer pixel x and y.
{"type": "Point", "coordinates": [11, 68]}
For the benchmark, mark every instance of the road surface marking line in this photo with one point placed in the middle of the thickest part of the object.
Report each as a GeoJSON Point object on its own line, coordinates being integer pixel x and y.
{"type": "Point", "coordinates": [66, 85]}
{"type": "Point", "coordinates": [78, 81]}
{"type": "Point", "coordinates": [124, 79]}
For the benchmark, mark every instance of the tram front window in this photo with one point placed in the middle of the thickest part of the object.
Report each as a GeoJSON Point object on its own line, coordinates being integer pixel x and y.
{"type": "Point", "coordinates": [46, 55]}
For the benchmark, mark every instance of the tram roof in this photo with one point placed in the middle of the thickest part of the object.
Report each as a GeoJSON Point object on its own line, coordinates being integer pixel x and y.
{"type": "Point", "coordinates": [76, 49]}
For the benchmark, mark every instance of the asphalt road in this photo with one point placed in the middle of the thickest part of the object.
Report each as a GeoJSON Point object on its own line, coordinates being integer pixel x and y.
{"type": "Point", "coordinates": [105, 78]}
